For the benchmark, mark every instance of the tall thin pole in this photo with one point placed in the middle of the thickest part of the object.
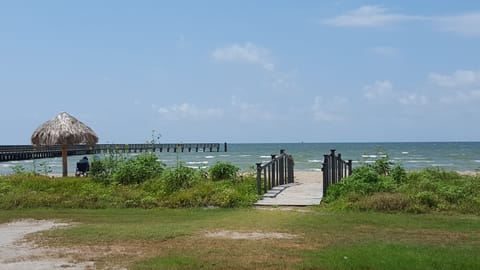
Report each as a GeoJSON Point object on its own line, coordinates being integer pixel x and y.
{"type": "Point", "coordinates": [64, 160]}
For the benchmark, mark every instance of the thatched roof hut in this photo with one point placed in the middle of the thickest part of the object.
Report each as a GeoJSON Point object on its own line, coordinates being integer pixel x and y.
{"type": "Point", "coordinates": [64, 130]}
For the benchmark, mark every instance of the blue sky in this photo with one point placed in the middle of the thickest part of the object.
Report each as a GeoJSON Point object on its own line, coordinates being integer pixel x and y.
{"type": "Point", "coordinates": [243, 71]}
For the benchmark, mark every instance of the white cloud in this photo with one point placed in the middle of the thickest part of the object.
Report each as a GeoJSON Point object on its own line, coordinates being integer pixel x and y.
{"type": "Point", "coordinates": [282, 82]}
{"type": "Point", "coordinates": [247, 53]}
{"type": "Point", "coordinates": [463, 97]}
{"type": "Point", "coordinates": [188, 111]}
{"type": "Point", "coordinates": [248, 112]}
{"type": "Point", "coordinates": [458, 79]}
{"type": "Point", "coordinates": [329, 110]}
{"type": "Point", "coordinates": [368, 16]}
{"type": "Point", "coordinates": [465, 24]}
{"type": "Point", "coordinates": [413, 99]}
{"type": "Point", "coordinates": [379, 90]}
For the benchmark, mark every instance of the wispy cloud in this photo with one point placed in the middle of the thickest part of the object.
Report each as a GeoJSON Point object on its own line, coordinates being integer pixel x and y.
{"type": "Point", "coordinates": [413, 99]}
{"type": "Point", "coordinates": [247, 53]}
{"type": "Point", "coordinates": [187, 111]}
{"type": "Point", "coordinates": [384, 92]}
{"type": "Point", "coordinates": [368, 16]}
{"type": "Point", "coordinates": [329, 110]}
{"type": "Point", "coordinates": [461, 98]}
{"type": "Point", "coordinates": [378, 90]}
{"type": "Point", "coordinates": [249, 112]}
{"type": "Point", "coordinates": [465, 83]}
{"type": "Point", "coordinates": [467, 24]}
{"type": "Point", "coordinates": [458, 79]}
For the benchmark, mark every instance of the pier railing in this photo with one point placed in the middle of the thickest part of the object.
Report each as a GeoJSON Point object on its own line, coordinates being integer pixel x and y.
{"type": "Point", "coordinates": [334, 169]}
{"type": "Point", "coordinates": [276, 172]}
{"type": "Point", "coordinates": [25, 152]}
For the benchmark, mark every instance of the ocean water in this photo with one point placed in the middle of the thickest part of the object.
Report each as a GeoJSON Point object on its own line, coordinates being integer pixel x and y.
{"type": "Point", "coordinates": [459, 156]}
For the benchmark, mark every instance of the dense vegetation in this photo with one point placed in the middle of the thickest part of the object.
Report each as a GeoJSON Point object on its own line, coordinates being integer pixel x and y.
{"type": "Point", "coordinates": [142, 182]}
{"type": "Point", "coordinates": [384, 187]}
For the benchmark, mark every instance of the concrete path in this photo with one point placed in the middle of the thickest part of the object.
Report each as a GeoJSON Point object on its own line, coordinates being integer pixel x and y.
{"type": "Point", "coordinates": [307, 190]}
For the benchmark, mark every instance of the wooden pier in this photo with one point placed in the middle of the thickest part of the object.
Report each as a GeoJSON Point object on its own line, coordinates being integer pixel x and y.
{"type": "Point", "coordinates": [26, 152]}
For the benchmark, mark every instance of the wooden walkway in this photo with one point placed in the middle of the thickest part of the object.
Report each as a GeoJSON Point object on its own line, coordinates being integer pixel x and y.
{"type": "Point", "coordinates": [307, 190]}
{"type": "Point", "coordinates": [25, 152]}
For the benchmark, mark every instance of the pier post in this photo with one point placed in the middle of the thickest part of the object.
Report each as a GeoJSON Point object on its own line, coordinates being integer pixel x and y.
{"type": "Point", "coordinates": [259, 178]}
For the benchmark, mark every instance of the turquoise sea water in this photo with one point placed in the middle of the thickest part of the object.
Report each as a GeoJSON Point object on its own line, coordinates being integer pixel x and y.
{"type": "Point", "coordinates": [459, 156]}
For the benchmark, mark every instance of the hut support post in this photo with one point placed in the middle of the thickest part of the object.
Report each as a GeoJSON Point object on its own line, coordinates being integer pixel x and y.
{"type": "Point", "coordinates": [64, 160]}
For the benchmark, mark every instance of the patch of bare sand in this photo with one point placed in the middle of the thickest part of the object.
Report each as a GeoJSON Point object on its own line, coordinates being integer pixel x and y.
{"type": "Point", "coordinates": [308, 176]}
{"type": "Point", "coordinates": [18, 253]}
{"type": "Point", "coordinates": [250, 235]}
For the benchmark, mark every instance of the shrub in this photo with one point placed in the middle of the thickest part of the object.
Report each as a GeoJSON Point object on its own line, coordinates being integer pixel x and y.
{"type": "Point", "coordinates": [223, 171]}
{"type": "Point", "coordinates": [398, 174]}
{"type": "Point", "coordinates": [126, 171]}
{"type": "Point", "coordinates": [382, 201]}
{"type": "Point", "coordinates": [427, 198]}
{"type": "Point", "coordinates": [138, 170]}
{"type": "Point", "coordinates": [181, 177]}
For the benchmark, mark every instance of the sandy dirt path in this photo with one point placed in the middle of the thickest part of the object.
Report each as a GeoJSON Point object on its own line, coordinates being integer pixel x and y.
{"type": "Point", "coordinates": [18, 253]}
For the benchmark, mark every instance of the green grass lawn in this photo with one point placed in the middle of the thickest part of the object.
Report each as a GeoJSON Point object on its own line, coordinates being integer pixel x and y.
{"type": "Point", "coordinates": [176, 238]}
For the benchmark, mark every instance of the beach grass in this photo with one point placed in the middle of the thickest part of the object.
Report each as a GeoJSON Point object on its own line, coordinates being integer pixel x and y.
{"type": "Point", "coordinates": [318, 238]}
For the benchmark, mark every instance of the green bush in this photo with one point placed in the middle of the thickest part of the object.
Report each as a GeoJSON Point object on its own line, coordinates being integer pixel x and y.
{"type": "Point", "coordinates": [181, 177]}
{"type": "Point", "coordinates": [138, 169]}
{"type": "Point", "coordinates": [223, 171]}
{"type": "Point", "coordinates": [126, 171]}
{"type": "Point", "coordinates": [386, 202]}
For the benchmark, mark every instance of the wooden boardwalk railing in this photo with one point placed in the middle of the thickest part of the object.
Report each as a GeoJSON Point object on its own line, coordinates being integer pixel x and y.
{"type": "Point", "coordinates": [334, 169]}
{"type": "Point", "coordinates": [278, 171]}
{"type": "Point", "coordinates": [25, 152]}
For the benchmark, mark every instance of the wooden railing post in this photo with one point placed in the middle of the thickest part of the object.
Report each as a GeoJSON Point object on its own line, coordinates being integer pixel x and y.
{"type": "Point", "coordinates": [274, 172]}
{"type": "Point", "coordinates": [326, 173]}
{"type": "Point", "coordinates": [259, 178]}
{"type": "Point", "coordinates": [349, 167]}
{"type": "Point", "coordinates": [333, 167]}
{"type": "Point", "coordinates": [340, 167]}
{"type": "Point", "coordinates": [281, 168]}
{"type": "Point", "coordinates": [291, 165]}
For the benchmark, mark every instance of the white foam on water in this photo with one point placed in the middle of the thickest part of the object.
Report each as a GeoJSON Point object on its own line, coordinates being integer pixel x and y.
{"type": "Point", "coordinates": [196, 162]}
{"type": "Point", "coordinates": [265, 156]}
{"type": "Point", "coordinates": [442, 165]}
{"type": "Point", "coordinates": [209, 156]}
{"type": "Point", "coordinates": [420, 161]}
{"type": "Point", "coordinates": [405, 153]}
{"type": "Point", "coordinates": [315, 161]}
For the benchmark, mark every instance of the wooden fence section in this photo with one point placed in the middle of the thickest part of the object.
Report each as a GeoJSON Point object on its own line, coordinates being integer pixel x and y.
{"type": "Point", "coordinates": [25, 152]}
{"type": "Point", "coordinates": [278, 171]}
{"type": "Point", "coordinates": [334, 169]}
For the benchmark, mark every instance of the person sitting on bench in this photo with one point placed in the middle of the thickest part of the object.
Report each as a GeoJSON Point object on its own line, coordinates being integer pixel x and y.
{"type": "Point", "coordinates": [82, 167]}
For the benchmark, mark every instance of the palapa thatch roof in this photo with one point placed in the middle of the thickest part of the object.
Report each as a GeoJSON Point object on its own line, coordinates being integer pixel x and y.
{"type": "Point", "coordinates": [64, 129]}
